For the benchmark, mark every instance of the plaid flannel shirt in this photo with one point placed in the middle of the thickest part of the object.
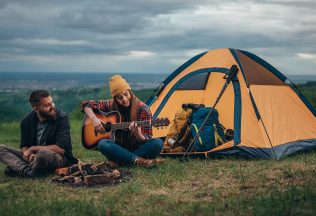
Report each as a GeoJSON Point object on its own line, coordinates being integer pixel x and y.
{"type": "Point", "coordinates": [143, 112]}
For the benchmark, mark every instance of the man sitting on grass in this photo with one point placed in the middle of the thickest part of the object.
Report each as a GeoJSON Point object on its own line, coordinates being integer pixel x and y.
{"type": "Point", "coordinates": [45, 140]}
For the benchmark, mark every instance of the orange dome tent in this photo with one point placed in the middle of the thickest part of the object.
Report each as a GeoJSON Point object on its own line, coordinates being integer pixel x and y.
{"type": "Point", "coordinates": [269, 118]}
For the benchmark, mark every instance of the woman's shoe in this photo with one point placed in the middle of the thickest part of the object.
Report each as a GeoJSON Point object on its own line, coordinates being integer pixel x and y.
{"type": "Point", "coordinates": [142, 162]}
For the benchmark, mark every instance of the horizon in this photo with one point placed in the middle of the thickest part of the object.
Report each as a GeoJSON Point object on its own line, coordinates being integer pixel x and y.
{"type": "Point", "coordinates": [68, 80]}
{"type": "Point", "coordinates": [125, 73]}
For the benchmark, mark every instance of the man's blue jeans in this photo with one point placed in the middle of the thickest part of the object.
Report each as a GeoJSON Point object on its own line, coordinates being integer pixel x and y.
{"type": "Point", "coordinates": [120, 155]}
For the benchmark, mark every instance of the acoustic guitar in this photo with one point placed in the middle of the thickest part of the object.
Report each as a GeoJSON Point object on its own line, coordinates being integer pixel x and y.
{"type": "Point", "coordinates": [111, 122]}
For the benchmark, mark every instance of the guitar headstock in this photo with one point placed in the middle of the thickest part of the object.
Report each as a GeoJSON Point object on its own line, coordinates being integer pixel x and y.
{"type": "Point", "coordinates": [160, 122]}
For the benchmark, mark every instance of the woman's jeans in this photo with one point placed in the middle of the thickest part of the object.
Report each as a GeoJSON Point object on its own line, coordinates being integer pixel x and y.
{"type": "Point", "coordinates": [149, 150]}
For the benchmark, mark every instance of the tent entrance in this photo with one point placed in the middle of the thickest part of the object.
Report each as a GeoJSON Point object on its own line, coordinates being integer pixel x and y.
{"type": "Point", "coordinates": [202, 87]}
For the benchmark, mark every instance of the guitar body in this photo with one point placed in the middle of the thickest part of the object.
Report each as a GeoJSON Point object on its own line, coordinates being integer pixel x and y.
{"type": "Point", "coordinates": [90, 139]}
{"type": "Point", "coordinates": [111, 123]}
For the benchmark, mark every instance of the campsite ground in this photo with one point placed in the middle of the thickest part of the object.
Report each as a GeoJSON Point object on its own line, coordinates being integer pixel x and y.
{"type": "Point", "coordinates": [198, 187]}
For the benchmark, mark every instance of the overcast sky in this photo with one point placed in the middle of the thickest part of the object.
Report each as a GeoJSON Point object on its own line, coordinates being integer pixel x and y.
{"type": "Point", "coordinates": [152, 36]}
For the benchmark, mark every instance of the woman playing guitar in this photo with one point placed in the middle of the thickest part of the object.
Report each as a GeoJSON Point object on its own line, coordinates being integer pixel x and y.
{"type": "Point", "coordinates": [133, 145]}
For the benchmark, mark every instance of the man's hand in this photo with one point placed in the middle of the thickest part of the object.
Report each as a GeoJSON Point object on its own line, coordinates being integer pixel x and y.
{"type": "Point", "coordinates": [27, 154]}
{"type": "Point", "coordinates": [31, 158]}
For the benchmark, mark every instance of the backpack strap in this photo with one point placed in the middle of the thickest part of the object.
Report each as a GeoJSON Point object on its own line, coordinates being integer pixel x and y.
{"type": "Point", "coordinates": [196, 131]}
{"type": "Point", "coordinates": [218, 139]}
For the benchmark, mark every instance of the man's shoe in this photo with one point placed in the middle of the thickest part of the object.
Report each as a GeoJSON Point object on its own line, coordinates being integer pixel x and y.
{"type": "Point", "coordinates": [10, 172]}
{"type": "Point", "coordinates": [28, 172]}
{"type": "Point", "coordinates": [141, 162]}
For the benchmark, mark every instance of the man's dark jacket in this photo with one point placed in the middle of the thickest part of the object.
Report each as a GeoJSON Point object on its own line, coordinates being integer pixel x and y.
{"type": "Point", "coordinates": [57, 132]}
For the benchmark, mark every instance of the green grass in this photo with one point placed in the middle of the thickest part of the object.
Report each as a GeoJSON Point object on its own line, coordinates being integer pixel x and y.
{"type": "Point", "coordinates": [198, 187]}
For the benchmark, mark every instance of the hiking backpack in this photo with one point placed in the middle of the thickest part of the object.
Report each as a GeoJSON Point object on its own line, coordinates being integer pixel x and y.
{"type": "Point", "coordinates": [212, 133]}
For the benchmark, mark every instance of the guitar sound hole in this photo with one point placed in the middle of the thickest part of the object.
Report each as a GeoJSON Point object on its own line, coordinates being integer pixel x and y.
{"type": "Point", "coordinates": [107, 126]}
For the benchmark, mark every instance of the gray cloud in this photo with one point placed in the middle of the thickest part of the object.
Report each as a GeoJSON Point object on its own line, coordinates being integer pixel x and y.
{"type": "Point", "coordinates": [142, 36]}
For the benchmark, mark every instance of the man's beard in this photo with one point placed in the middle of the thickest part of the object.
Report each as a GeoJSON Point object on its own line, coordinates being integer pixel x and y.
{"type": "Point", "coordinates": [48, 115]}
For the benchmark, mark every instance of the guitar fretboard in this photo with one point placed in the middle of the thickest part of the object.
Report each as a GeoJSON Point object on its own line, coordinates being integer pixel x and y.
{"type": "Point", "coordinates": [124, 125]}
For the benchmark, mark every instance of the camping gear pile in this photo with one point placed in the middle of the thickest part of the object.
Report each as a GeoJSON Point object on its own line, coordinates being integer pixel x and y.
{"type": "Point", "coordinates": [268, 114]}
{"type": "Point", "coordinates": [91, 174]}
{"type": "Point", "coordinates": [179, 136]}
{"type": "Point", "coordinates": [185, 126]}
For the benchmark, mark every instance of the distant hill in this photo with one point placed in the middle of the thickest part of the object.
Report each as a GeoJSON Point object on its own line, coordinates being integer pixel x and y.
{"type": "Point", "coordinates": [55, 81]}
{"type": "Point", "coordinates": [14, 104]}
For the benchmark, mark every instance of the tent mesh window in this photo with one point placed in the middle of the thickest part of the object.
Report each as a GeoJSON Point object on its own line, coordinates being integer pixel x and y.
{"type": "Point", "coordinates": [196, 82]}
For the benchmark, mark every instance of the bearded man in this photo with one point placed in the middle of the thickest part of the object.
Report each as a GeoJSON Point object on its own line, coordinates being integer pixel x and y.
{"type": "Point", "coordinates": [45, 140]}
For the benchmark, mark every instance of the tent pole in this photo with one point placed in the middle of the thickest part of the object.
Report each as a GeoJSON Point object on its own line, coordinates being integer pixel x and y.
{"type": "Point", "coordinates": [260, 119]}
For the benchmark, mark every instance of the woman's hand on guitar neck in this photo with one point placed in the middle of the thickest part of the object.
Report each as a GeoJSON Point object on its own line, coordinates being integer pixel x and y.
{"type": "Point", "coordinates": [97, 124]}
{"type": "Point", "coordinates": [136, 131]}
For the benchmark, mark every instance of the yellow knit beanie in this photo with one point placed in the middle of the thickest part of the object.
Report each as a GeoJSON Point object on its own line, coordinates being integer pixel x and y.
{"type": "Point", "coordinates": [117, 85]}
